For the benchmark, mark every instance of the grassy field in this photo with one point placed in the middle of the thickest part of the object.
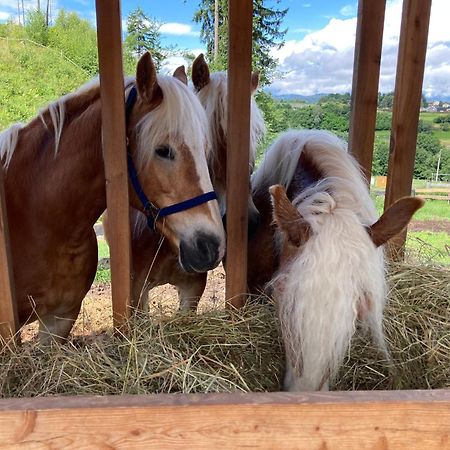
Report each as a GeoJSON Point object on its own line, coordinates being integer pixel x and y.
{"type": "Point", "coordinates": [23, 88]}
{"type": "Point", "coordinates": [429, 246]}
{"type": "Point", "coordinates": [427, 117]}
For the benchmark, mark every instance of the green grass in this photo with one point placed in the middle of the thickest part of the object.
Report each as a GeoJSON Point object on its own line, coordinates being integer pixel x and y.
{"type": "Point", "coordinates": [443, 136]}
{"type": "Point", "coordinates": [30, 77]}
{"type": "Point", "coordinates": [103, 248]}
{"type": "Point", "coordinates": [103, 274]}
{"type": "Point", "coordinates": [434, 247]}
{"type": "Point", "coordinates": [432, 210]}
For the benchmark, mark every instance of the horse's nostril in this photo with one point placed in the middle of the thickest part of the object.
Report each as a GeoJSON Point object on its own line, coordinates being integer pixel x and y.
{"type": "Point", "coordinates": [200, 253]}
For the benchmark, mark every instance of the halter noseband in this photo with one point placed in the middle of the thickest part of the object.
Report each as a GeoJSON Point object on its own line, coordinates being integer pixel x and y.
{"type": "Point", "coordinates": [152, 212]}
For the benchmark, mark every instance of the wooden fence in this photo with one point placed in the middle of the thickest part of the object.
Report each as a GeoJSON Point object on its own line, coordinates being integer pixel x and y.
{"type": "Point", "coordinates": [409, 419]}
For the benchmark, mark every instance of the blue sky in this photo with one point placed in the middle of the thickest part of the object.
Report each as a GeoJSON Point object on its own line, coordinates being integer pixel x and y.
{"type": "Point", "coordinates": [302, 17]}
{"type": "Point", "coordinates": [318, 54]}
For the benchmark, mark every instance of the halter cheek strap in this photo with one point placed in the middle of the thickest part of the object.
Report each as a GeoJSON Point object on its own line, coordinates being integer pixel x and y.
{"type": "Point", "coordinates": [152, 212]}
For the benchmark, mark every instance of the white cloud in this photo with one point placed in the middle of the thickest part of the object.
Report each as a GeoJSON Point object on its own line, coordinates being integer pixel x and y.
{"type": "Point", "coordinates": [323, 60]}
{"type": "Point", "coordinates": [178, 29]}
{"type": "Point", "coordinates": [4, 15]}
{"type": "Point", "coordinates": [349, 10]}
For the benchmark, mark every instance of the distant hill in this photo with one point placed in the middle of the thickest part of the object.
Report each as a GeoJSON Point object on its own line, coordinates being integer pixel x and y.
{"type": "Point", "coordinates": [32, 76]}
{"type": "Point", "coordinates": [316, 97]}
{"type": "Point", "coordinates": [300, 98]}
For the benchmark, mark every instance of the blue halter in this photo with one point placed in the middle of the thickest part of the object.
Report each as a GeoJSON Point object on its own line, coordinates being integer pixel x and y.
{"type": "Point", "coordinates": [152, 212]}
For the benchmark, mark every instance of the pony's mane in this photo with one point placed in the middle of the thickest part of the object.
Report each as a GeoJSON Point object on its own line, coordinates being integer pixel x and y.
{"type": "Point", "coordinates": [329, 154]}
{"type": "Point", "coordinates": [214, 97]}
{"type": "Point", "coordinates": [179, 118]}
{"type": "Point", "coordinates": [8, 142]}
{"type": "Point", "coordinates": [57, 112]}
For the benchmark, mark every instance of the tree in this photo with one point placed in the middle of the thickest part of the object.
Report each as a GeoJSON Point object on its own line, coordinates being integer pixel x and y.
{"type": "Point", "coordinates": [76, 38]}
{"type": "Point", "coordinates": [36, 27]}
{"type": "Point", "coordinates": [267, 34]}
{"type": "Point", "coordinates": [143, 35]}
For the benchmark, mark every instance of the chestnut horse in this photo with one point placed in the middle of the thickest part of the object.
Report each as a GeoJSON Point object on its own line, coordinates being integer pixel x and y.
{"type": "Point", "coordinates": [153, 261]}
{"type": "Point", "coordinates": [323, 259]}
{"type": "Point", "coordinates": [55, 190]}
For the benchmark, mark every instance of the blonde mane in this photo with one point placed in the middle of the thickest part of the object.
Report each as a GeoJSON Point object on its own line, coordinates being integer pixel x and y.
{"type": "Point", "coordinates": [338, 272]}
{"type": "Point", "coordinates": [214, 98]}
{"type": "Point", "coordinates": [330, 156]}
{"type": "Point", "coordinates": [179, 118]}
{"type": "Point", "coordinates": [8, 142]}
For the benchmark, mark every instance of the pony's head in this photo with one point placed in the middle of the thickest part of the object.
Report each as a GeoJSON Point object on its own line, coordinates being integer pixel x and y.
{"type": "Point", "coordinates": [296, 230]}
{"type": "Point", "coordinates": [212, 91]}
{"type": "Point", "coordinates": [169, 142]}
{"type": "Point", "coordinates": [323, 287]}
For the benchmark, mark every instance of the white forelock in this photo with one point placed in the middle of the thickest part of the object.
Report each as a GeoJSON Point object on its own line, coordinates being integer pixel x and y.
{"type": "Point", "coordinates": [179, 119]}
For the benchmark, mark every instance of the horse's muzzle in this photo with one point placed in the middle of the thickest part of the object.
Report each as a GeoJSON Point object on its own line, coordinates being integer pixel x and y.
{"type": "Point", "coordinates": [201, 253]}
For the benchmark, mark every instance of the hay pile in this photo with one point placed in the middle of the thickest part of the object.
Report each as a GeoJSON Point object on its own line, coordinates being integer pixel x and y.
{"type": "Point", "coordinates": [214, 351]}
{"type": "Point", "coordinates": [417, 328]}
{"type": "Point", "coordinates": [209, 352]}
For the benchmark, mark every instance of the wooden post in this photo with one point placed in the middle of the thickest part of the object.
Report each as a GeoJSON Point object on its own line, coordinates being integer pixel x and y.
{"type": "Point", "coordinates": [366, 74]}
{"type": "Point", "coordinates": [8, 307]}
{"type": "Point", "coordinates": [114, 153]}
{"type": "Point", "coordinates": [240, 14]}
{"type": "Point", "coordinates": [406, 108]}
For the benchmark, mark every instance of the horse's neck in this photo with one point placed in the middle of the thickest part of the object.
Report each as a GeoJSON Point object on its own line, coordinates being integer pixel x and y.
{"type": "Point", "coordinates": [64, 193]}
{"type": "Point", "coordinates": [262, 251]}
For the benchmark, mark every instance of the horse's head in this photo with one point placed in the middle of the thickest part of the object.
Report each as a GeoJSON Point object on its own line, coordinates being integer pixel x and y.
{"type": "Point", "coordinates": [212, 92]}
{"type": "Point", "coordinates": [169, 143]}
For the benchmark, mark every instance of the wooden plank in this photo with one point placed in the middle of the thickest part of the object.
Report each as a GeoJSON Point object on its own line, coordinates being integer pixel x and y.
{"type": "Point", "coordinates": [114, 153]}
{"type": "Point", "coordinates": [366, 74]}
{"type": "Point", "coordinates": [240, 14]}
{"type": "Point", "coordinates": [406, 108]}
{"type": "Point", "coordinates": [8, 307]}
{"type": "Point", "coordinates": [332, 420]}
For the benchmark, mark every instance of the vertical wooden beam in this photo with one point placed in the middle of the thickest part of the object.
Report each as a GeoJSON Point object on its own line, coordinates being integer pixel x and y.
{"type": "Point", "coordinates": [366, 74]}
{"type": "Point", "coordinates": [109, 37]}
{"type": "Point", "coordinates": [407, 99]}
{"type": "Point", "coordinates": [240, 13]}
{"type": "Point", "coordinates": [8, 308]}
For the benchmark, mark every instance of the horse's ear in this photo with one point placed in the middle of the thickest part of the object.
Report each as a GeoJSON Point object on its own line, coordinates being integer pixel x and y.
{"type": "Point", "coordinates": [394, 219]}
{"type": "Point", "coordinates": [146, 77]}
{"type": "Point", "coordinates": [255, 81]}
{"type": "Point", "coordinates": [288, 219]}
{"type": "Point", "coordinates": [180, 74]}
{"type": "Point", "coordinates": [200, 72]}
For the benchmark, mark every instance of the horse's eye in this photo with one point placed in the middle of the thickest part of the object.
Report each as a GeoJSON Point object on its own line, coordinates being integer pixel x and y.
{"type": "Point", "coordinates": [165, 152]}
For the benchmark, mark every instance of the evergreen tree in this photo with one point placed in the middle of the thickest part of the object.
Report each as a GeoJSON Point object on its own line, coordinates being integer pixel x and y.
{"type": "Point", "coordinates": [142, 35]}
{"type": "Point", "coordinates": [267, 21]}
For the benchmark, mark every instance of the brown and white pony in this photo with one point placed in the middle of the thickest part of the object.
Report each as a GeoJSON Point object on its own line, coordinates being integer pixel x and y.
{"type": "Point", "coordinates": [55, 190]}
{"type": "Point", "coordinates": [153, 261]}
{"type": "Point", "coordinates": [323, 259]}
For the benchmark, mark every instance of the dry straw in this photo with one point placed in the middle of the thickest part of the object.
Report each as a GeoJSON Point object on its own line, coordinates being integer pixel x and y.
{"type": "Point", "coordinates": [219, 351]}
